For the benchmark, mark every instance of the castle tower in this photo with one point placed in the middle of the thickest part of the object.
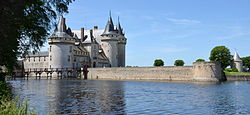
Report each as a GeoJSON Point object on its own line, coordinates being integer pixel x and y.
{"type": "Point", "coordinates": [61, 47]}
{"type": "Point", "coordinates": [121, 45]}
{"type": "Point", "coordinates": [237, 62]}
{"type": "Point", "coordinates": [110, 43]}
{"type": "Point", "coordinates": [94, 50]}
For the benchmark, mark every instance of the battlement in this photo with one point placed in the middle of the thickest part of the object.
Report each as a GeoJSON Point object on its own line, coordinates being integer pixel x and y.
{"type": "Point", "coordinates": [61, 40]}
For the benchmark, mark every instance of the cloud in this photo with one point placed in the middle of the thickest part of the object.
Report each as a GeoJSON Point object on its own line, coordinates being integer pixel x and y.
{"type": "Point", "coordinates": [235, 35]}
{"type": "Point", "coordinates": [183, 21]}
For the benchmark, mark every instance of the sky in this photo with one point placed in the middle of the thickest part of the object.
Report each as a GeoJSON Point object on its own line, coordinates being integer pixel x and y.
{"type": "Point", "coordinates": [169, 29]}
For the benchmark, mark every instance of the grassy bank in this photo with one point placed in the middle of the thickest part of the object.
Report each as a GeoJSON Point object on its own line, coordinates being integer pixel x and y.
{"type": "Point", "coordinates": [238, 73]}
{"type": "Point", "coordinates": [9, 106]}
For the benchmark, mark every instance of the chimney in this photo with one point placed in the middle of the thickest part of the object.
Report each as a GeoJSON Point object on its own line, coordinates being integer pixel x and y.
{"type": "Point", "coordinates": [82, 34]}
{"type": "Point", "coordinates": [91, 34]}
{"type": "Point", "coordinates": [95, 27]}
{"type": "Point", "coordinates": [63, 25]}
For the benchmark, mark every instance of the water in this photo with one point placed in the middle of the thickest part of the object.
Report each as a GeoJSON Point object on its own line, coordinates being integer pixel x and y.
{"type": "Point", "coordinates": [133, 97]}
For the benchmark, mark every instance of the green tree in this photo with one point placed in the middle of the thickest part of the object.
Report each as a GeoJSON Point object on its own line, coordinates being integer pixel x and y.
{"type": "Point", "coordinates": [246, 61]}
{"type": "Point", "coordinates": [221, 54]}
{"type": "Point", "coordinates": [200, 60]}
{"type": "Point", "coordinates": [158, 62]}
{"type": "Point", "coordinates": [179, 63]}
{"type": "Point", "coordinates": [25, 25]}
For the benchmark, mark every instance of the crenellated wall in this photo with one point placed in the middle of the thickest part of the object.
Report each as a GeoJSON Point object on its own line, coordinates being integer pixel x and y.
{"type": "Point", "coordinates": [200, 71]}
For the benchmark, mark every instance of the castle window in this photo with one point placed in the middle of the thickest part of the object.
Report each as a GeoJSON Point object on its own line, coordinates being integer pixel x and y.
{"type": "Point", "coordinates": [34, 59]}
{"type": "Point", "coordinates": [68, 58]}
{"type": "Point", "coordinates": [29, 59]}
{"type": "Point", "coordinates": [74, 59]}
{"type": "Point", "coordinates": [50, 48]}
{"type": "Point", "coordinates": [44, 58]}
{"type": "Point", "coordinates": [39, 59]}
{"type": "Point", "coordinates": [70, 48]}
{"type": "Point", "coordinates": [50, 58]}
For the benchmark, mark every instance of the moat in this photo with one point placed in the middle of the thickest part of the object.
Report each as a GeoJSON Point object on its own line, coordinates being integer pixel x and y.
{"type": "Point", "coordinates": [133, 97]}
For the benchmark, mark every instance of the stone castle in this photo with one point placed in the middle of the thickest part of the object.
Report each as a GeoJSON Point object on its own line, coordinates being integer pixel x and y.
{"type": "Point", "coordinates": [81, 48]}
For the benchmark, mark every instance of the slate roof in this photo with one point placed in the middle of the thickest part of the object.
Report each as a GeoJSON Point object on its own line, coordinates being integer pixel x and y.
{"type": "Point", "coordinates": [236, 57]}
{"type": "Point", "coordinates": [60, 30]}
{"type": "Point", "coordinates": [96, 34]}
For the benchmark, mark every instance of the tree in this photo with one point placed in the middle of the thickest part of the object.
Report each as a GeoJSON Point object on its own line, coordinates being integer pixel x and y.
{"type": "Point", "coordinates": [179, 63]}
{"type": "Point", "coordinates": [221, 54]}
{"type": "Point", "coordinates": [200, 60]}
{"type": "Point", "coordinates": [25, 25]}
{"type": "Point", "coordinates": [246, 61]}
{"type": "Point", "coordinates": [159, 62]}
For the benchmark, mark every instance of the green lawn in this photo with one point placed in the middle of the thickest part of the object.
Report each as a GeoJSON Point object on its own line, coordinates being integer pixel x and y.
{"type": "Point", "coordinates": [238, 73]}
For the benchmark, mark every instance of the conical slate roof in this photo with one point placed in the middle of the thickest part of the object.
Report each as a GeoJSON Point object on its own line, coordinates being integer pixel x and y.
{"type": "Point", "coordinates": [109, 29]}
{"type": "Point", "coordinates": [119, 28]}
{"type": "Point", "coordinates": [60, 30]}
{"type": "Point", "coordinates": [236, 57]}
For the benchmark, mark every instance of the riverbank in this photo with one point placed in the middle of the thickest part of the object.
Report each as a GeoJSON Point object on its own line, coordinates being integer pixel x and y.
{"type": "Point", "coordinates": [9, 105]}
{"type": "Point", "coordinates": [238, 76]}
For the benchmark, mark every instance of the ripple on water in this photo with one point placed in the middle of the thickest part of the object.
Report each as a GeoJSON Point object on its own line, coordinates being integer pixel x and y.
{"type": "Point", "coordinates": [132, 97]}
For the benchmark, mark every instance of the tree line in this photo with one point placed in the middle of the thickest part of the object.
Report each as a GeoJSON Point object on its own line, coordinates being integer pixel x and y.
{"type": "Point", "coordinates": [219, 54]}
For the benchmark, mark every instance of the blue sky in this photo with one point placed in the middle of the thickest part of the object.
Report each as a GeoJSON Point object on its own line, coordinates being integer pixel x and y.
{"type": "Point", "coordinates": [169, 29]}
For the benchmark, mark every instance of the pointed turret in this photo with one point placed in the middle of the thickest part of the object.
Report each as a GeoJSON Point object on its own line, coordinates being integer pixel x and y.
{"type": "Point", "coordinates": [61, 26]}
{"type": "Point", "coordinates": [236, 57]}
{"type": "Point", "coordinates": [119, 28]}
{"type": "Point", "coordinates": [238, 62]}
{"type": "Point", "coordinates": [60, 30]}
{"type": "Point", "coordinates": [61, 44]}
{"type": "Point", "coordinates": [109, 29]}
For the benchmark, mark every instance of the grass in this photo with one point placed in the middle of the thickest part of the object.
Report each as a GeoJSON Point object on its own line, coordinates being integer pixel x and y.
{"type": "Point", "coordinates": [238, 73]}
{"type": "Point", "coordinates": [9, 106]}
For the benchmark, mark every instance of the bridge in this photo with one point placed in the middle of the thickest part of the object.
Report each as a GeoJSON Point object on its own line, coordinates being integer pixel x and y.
{"type": "Point", "coordinates": [25, 73]}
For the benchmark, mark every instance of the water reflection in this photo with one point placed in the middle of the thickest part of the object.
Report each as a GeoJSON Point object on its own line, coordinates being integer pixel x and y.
{"type": "Point", "coordinates": [133, 97]}
{"type": "Point", "coordinates": [79, 97]}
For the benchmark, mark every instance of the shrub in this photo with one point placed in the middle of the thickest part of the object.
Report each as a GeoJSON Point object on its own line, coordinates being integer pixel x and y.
{"type": "Point", "coordinates": [231, 70]}
{"type": "Point", "coordinates": [4, 90]}
{"type": "Point", "coordinates": [9, 106]}
{"type": "Point", "coordinates": [200, 60]}
{"type": "Point", "coordinates": [12, 108]}
{"type": "Point", "coordinates": [179, 63]}
{"type": "Point", "coordinates": [158, 62]}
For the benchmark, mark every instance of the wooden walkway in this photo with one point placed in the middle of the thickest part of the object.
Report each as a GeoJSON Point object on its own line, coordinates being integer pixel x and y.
{"type": "Point", "coordinates": [49, 71]}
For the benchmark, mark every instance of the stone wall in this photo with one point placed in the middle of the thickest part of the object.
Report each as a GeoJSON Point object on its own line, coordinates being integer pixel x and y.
{"type": "Point", "coordinates": [200, 71]}
{"type": "Point", "coordinates": [238, 78]}
{"type": "Point", "coordinates": [207, 71]}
